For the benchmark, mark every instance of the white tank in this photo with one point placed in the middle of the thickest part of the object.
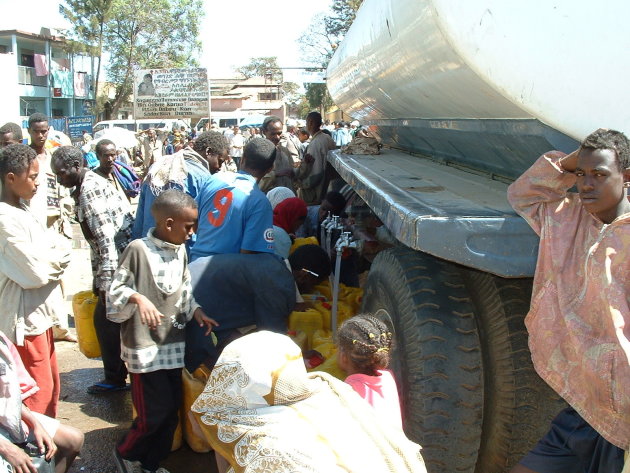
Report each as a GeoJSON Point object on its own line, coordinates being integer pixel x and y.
{"type": "Point", "coordinates": [480, 81]}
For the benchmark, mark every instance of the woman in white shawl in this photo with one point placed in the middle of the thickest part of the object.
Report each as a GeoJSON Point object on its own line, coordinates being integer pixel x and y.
{"type": "Point", "coordinates": [262, 412]}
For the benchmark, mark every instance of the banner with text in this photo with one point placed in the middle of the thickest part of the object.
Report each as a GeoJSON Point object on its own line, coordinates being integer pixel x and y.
{"type": "Point", "coordinates": [77, 125]}
{"type": "Point", "coordinates": [171, 93]}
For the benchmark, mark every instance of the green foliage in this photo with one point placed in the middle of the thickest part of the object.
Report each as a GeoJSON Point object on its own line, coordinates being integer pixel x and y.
{"type": "Point", "coordinates": [318, 97]}
{"type": "Point", "coordinates": [302, 108]}
{"type": "Point", "coordinates": [319, 41]}
{"type": "Point", "coordinates": [259, 66]}
{"type": "Point", "coordinates": [291, 91]}
{"type": "Point", "coordinates": [137, 34]}
{"type": "Point", "coordinates": [316, 44]}
{"type": "Point", "coordinates": [326, 31]}
{"type": "Point", "coordinates": [88, 18]}
{"type": "Point", "coordinates": [342, 16]}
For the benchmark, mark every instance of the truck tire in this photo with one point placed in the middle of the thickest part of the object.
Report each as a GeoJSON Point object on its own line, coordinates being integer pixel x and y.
{"type": "Point", "coordinates": [469, 393]}
{"type": "Point", "coordinates": [436, 359]}
{"type": "Point", "coordinates": [518, 405]}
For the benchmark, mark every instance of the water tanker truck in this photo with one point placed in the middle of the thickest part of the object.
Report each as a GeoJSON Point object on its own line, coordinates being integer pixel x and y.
{"type": "Point", "coordinates": [464, 96]}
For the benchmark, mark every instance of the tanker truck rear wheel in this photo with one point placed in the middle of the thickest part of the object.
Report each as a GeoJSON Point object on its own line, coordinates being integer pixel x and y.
{"type": "Point", "coordinates": [469, 394]}
{"type": "Point", "coordinates": [437, 361]}
{"type": "Point", "coordinates": [518, 405]}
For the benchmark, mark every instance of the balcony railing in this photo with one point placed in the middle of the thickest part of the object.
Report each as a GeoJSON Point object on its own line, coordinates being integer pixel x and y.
{"type": "Point", "coordinates": [27, 76]}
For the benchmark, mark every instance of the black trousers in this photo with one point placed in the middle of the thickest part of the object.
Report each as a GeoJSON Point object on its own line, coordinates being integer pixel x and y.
{"type": "Point", "coordinates": [573, 446]}
{"type": "Point", "coordinates": [108, 334]}
{"type": "Point", "coordinates": [157, 397]}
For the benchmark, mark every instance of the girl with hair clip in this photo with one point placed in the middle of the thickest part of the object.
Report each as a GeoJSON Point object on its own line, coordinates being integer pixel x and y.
{"type": "Point", "coordinates": [365, 344]}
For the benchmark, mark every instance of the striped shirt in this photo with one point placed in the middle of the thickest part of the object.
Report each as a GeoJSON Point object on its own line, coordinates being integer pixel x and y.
{"type": "Point", "coordinates": [106, 221]}
{"type": "Point", "coordinates": [170, 273]}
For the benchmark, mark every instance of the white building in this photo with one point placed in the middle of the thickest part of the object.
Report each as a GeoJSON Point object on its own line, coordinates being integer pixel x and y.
{"type": "Point", "coordinates": [39, 75]}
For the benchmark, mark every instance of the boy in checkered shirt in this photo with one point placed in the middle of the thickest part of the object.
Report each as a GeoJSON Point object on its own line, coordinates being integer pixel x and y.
{"type": "Point", "coordinates": [151, 296]}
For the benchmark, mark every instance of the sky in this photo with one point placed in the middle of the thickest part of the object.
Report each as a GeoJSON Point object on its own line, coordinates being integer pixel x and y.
{"type": "Point", "coordinates": [232, 31]}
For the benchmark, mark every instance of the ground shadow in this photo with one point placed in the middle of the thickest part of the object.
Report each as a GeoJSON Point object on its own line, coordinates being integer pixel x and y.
{"type": "Point", "coordinates": [114, 408]}
{"type": "Point", "coordinates": [96, 454]}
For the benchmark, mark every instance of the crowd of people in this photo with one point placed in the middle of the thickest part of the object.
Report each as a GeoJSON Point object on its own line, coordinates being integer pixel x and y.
{"type": "Point", "coordinates": [155, 311]}
{"type": "Point", "coordinates": [208, 252]}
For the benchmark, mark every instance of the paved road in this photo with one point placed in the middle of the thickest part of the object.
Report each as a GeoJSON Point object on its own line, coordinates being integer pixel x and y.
{"type": "Point", "coordinates": [103, 418]}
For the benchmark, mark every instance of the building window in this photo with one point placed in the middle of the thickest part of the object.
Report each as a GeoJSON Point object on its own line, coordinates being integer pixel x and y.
{"type": "Point", "coordinates": [27, 59]}
{"type": "Point", "coordinates": [3, 49]}
{"type": "Point", "coordinates": [26, 75]}
{"type": "Point", "coordinates": [262, 96]}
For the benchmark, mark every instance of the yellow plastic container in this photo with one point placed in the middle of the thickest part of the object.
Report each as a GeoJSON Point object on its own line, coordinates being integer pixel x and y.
{"type": "Point", "coordinates": [353, 296]}
{"type": "Point", "coordinates": [300, 339]}
{"type": "Point", "coordinates": [324, 290]}
{"type": "Point", "coordinates": [79, 297]}
{"type": "Point", "coordinates": [193, 387]}
{"type": "Point", "coordinates": [344, 312]}
{"type": "Point", "coordinates": [323, 343]}
{"type": "Point", "coordinates": [324, 309]}
{"type": "Point", "coordinates": [308, 322]}
{"type": "Point", "coordinates": [83, 305]}
{"type": "Point", "coordinates": [303, 241]}
{"type": "Point", "coordinates": [321, 337]}
{"type": "Point", "coordinates": [177, 437]}
{"type": "Point", "coordinates": [327, 349]}
{"type": "Point", "coordinates": [330, 366]}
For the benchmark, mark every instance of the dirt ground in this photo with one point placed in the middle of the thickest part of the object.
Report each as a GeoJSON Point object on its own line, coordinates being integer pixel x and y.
{"type": "Point", "coordinates": [102, 418]}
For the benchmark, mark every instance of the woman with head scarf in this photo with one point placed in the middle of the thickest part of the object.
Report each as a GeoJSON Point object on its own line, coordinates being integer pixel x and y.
{"type": "Point", "coordinates": [278, 194]}
{"type": "Point", "coordinates": [261, 411]}
{"type": "Point", "coordinates": [288, 216]}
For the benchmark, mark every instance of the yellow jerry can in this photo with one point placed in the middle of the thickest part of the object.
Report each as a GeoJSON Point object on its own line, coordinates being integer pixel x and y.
{"type": "Point", "coordinates": [303, 241]}
{"type": "Point", "coordinates": [321, 337]}
{"type": "Point", "coordinates": [299, 338]}
{"type": "Point", "coordinates": [324, 290]}
{"type": "Point", "coordinates": [83, 305]}
{"type": "Point", "coordinates": [308, 322]}
{"type": "Point", "coordinates": [193, 387]}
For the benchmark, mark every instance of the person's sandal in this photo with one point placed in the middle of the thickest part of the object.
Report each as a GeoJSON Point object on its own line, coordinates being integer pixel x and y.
{"type": "Point", "coordinates": [125, 466]}
{"type": "Point", "coordinates": [69, 338]}
{"type": "Point", "coordinates": [103, 388]}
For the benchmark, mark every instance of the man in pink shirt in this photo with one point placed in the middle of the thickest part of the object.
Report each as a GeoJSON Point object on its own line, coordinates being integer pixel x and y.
{"type": "Point", "coordinates": [577, 323]}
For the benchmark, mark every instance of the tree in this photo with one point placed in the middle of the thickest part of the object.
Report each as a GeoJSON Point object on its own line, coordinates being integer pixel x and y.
{"type": "Point", "coordinates": [343, 14]}
{"type": "Point", "coordinates": [319, 42]}
{"type": "Point", "coordinates": [326, 31]}
{"type": "Point", "coordinates": [136, 36]}
{"type": "Point", "coordinates": [260, 66]}
{"type": "Point", "coordinates": [291, 92]}
{"type": "Point", "coordinates": [139, 38]}
{"type": "Point", "coordinates": [302, 108]}
{"type": "Point", "coordinates": [316, 45]}
{"type": "Point", "coordinates": [268, 67]}
{"type": "Point", "coordinates": [88, 18]}
{"type": "Point", "coordinates": [318, 97]}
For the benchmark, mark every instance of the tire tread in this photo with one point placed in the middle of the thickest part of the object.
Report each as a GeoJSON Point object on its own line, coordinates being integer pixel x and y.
{"type": "Point", "coordinates": [438, 350]}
